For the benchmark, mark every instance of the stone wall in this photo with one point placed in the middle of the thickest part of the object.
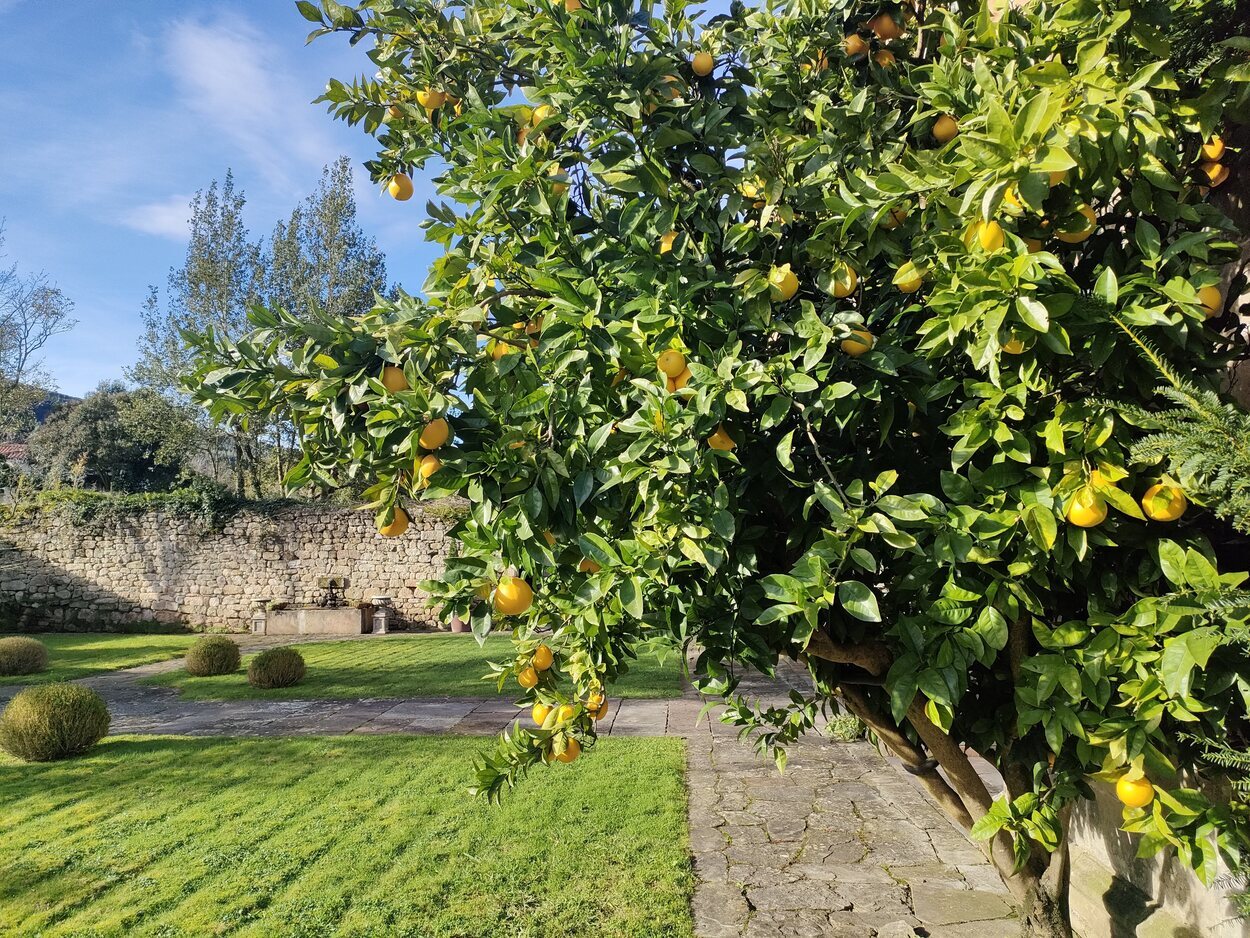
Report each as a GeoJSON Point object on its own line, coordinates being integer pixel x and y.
{"type": "Point", "coordinates": [58, 572]}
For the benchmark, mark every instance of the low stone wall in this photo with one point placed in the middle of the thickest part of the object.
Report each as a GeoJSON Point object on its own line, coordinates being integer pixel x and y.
{"type": "Point", "coordinates": [1114, 892]}
{"type": "Point", "coordinates": [154, 565]}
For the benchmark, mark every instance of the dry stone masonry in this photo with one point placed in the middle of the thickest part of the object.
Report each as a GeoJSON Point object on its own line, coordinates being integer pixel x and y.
{"type": "Point", "coordinates": [58, 572]}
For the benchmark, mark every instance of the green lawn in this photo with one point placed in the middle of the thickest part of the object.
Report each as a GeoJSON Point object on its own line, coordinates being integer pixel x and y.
{"type": "Point", "coordinates": [362, 837]}
{"type": "Point", "coordinates": [81, 654]}
{"type": "Point", "coordinates": [407, 666]}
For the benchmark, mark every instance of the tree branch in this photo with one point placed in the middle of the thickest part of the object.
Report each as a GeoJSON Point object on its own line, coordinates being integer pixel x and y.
{"type": "Point", "coordinates": [873, 657]}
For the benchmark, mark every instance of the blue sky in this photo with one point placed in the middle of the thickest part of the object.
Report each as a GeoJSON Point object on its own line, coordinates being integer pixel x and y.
{"type": "Point", "coordinates": [115, 113]}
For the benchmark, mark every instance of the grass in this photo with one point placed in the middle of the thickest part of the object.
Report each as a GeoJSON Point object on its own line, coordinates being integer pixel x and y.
{"type": "Point", "coordinates": [73, 655]}
{"type": "Point", "coordinates": [406, 666]}
{"type": "Point", "coordinates": [362, 837]}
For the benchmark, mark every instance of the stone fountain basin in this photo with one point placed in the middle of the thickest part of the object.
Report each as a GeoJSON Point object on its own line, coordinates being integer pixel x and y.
{"type": "Point", "coordinates": [347, 620]}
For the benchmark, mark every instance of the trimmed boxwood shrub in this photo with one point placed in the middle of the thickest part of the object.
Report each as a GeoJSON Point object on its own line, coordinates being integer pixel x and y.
{"type": "Point", "coordinates": [53, 721]}
{"type": "Point", "coordinates": [277, 667]}
{"type": "Point", "coordinates": [22, 655]}
{"type": "Point", "coordinates": [212, 654]}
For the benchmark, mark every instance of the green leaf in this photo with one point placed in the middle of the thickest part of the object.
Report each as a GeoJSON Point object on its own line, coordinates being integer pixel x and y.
{"type": "Point", "coordinates": [1033, 313]}
{"type": "Point", "coordinates": [858, 600]}
{"type": "Point", "coordinates": [1107, 288]}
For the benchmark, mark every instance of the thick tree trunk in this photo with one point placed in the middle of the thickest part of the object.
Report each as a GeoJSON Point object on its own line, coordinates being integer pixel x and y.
{"type": "Point", "coordinates": [1041, 887]}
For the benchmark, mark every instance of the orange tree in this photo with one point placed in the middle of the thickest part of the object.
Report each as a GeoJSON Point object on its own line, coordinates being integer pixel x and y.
{"type": "Point", "coordinates": [804, 332]}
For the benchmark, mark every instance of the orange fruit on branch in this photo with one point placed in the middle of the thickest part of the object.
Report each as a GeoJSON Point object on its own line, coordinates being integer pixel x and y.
{"type": "Point", "coordinates": [721, 440]}
{"type": "Point", "coordinates": [782, 284]}
{"type": "Point", "coordinates": [434, 434]}
{"type": "Point", "coordinates": [543, 658]}
{"type": "Point", "coordinates": [527, 677]}
{"type": "Point", "coordinates": [845, 280]}
{"type": "Point", "coordinates": [671, 362]}
{"type": "Point", "coordinates": [858, 342]}
{"type": "Point", "coordinates": [1211, 299]}
{"type": "Point", "coordinates": [1134, 792]}
{"type": "Point", "coordinates": [1164, 502]}
{"type": "Point", "coordinates": [1088, 509]}
{"type": "Point", "coordinates": [945, 129]}
{"type": "Point", "coordinates": [702, 64]}
{"type": "Point", "coordinates": [513, 596]}
{"type": "Point", "coordinates": [400, 187]}
{"type": "Point", "coordinates": [398, 525]}
{"type": "Point", "coordinates": [393, 379]}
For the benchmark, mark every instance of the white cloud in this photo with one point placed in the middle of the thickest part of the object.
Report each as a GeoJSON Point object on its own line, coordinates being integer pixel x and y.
{"type": "Point", "coordinates": [233, 79]}
{"type": "Point", "coordinates": [167, 218]}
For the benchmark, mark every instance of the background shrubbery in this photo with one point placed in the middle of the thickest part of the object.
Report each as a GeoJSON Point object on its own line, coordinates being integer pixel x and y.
{"type": "Point", "coordinates": [277, 667]}
{"type": "Point", "coordinates": [22, 655]}
{"type": "Point", "coordinates": [212, 654]}
{"type": "Point", "coordinates": [53, 721]}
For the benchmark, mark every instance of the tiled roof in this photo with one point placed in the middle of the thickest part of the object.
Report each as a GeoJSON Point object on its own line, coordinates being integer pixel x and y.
{"type": "Point", "coordinates": [14, 451]}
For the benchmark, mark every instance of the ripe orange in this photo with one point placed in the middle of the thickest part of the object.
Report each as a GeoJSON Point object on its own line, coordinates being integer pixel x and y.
{"type": "Point", "coordinates": [671, 362]}
{"type": "Point", "coordinates": [1211, 300]}
{"type": "Point", "coordinates": [588, 566]}
{"type": "Point", "coordinates": [681, 380]}
{"type": "Point", "coordinates": [1134, 793]}
{"type": "Point", "coordinates": [702, 64]}
{"type": "Point", "coordinates": [845, 280]}
{"type": "Point", "coordinates": [1058, 177]}
{"type": "Point", "coordinates": [541, 113]}
{"type": "Point", "coordinates": [393, 379]}
{"type": "Point", "coordinates": [884, 58]}
{"type": "Point", "coordinates": [909, 278]}
{"type": "Point", "coordinates": [988, 234]}
{"type": "Point", "coordinates": [666, 241]}
{"type": "Point", "coordinates": [513, 596]}
{"type": "Point", "coordinates": [782, 284]}
{"type": "Point", "coordinates": [1216, 174]}
{"type": "Point", "coordinates": [854, 45]}
{"type": "Point", "coordinates": [571, 5]}
{"type": "Point", "coordinates": [1032, 245]}
{"type": "Point", "coordinates": [858, 342]}
{"type": "Point", "coordinates": [884, 25]}
{"type": "Point", "coordinates": [527, 677]}
{"type": "Point", "coordinates": [1088, 508]}
{"type": "Point", "coordinates": [1076, 237]}
{"type": "Point", "coordinates": [1213, 149]}
{"type": "Point", "coordinates": [426, 468]}
{"type": "Point", "coordinates": [721, 440]}
{"type": "Point", "coordinates": [549, 538]}
{"type": "Point", "coordinates": [566, 713]}
{"type": "Point", "coordinates": [945, 129]}
{"type": "Point", "coordinates": [594, 700]}
{"type": "Point", "coordinates": [400, 187]}
{"type": "Point", "coordinates": [1014, 346]}
{"type": "Point", "coordinates": [559, 179]}
{"type": "Point", "coordinates": [539, 713]}
{"type": "Point", "coordinates": [394, 113]}
{"type": "Point", "coordinates": [601, 712]}
{"type": "Point", "coordinates": [893, 218]}
{"type": "Point", "coordinates": [430, 99]}
{"type": "Point", "coordinates": [1164, 502]}
{"type": "Point", "coordinates": [543, 658]}
{"type": "Point", "coordinates": [398, 525]}
{"type": "Point", "coordinates": [434, 434]}
{"type": "Point", "coordinates": [572, 749]}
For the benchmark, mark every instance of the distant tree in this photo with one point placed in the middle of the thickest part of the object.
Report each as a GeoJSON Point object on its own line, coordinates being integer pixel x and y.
{"type": "Point", "coordinates": [32, 311]}
{"type": "Point", "coordinates": [209, 292]}
{"type": "Point", "coordinates": [319, 257]}
{"type": "Point", "coordinates": [116, 439]}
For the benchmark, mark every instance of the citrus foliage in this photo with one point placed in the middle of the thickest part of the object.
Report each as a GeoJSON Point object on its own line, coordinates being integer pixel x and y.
{"type": "Point", "coordinates": [897, 264]}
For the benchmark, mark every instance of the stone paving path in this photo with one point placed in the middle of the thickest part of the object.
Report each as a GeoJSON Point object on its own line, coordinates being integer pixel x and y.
{"type": "Point", "coordinates": [840, 845]}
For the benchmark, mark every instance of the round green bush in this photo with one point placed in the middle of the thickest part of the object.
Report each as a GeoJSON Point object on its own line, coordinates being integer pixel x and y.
{"type": "Point", "coordinates": [277, 667]}
{"type": "Point", "coordinates": [212, 654]}
{"type": "Point", "coordinates": [22, 655]}
{"type": "Point", "coordinates": [53, 721]}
